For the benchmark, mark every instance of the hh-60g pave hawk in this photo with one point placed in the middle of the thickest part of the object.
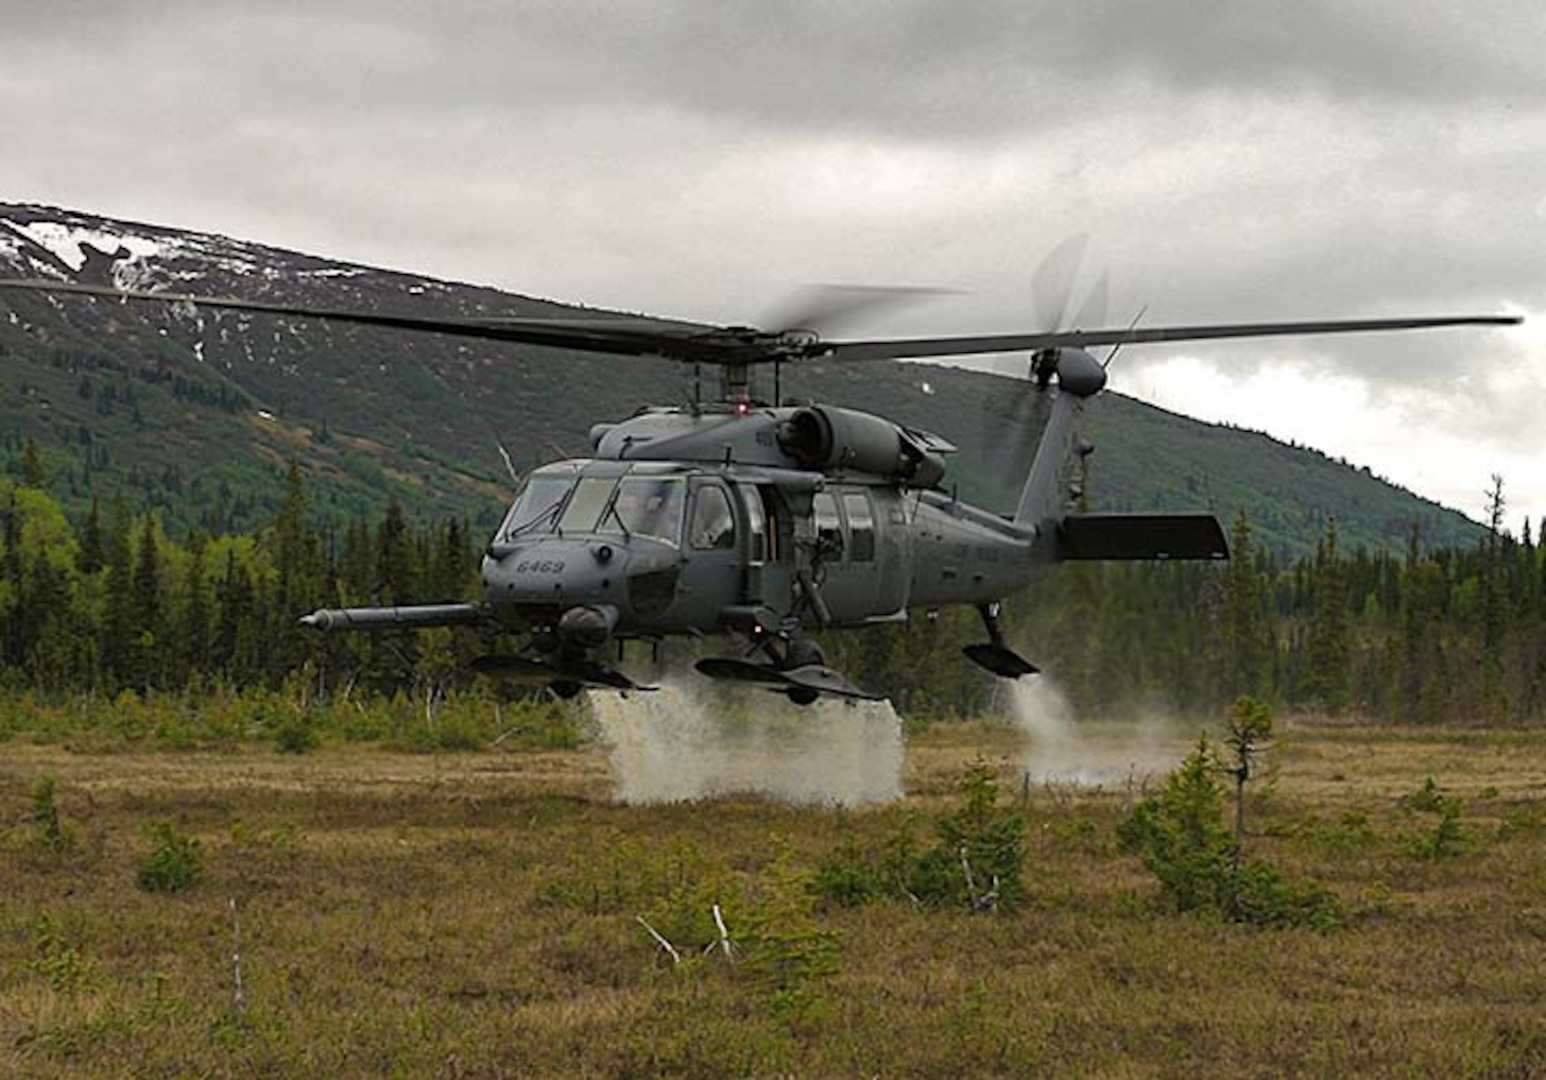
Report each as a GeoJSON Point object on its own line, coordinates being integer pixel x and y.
{"type": "Point", "coordinates": [760, 520]}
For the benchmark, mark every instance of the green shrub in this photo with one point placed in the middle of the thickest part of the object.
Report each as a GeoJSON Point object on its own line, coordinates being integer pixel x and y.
{"type": "Point", "coordinates": [1182, 841]}
{"type": "Point", "coordinates": [175, 863]}
{"type": "Point", "coordinates": [986, 841]}
{"type": "Point", "coordinates": [59, 959]}
{"type": "Point", "coordinates": [296, 733]}
{"type": "Point", "coordinates": [1179, 835]}
{"type": "Point", "coordinates": [975, 861]}
{"type": "Point", "coordinates": [787, 951]}
{"type": "Point", "coordinates": [50, 836]}
{"type": "Point", "coordinates": [1428, 799]}
{"type": "Point", "coordinates": [850, 876]}
{"type": "Point", "coordinates": [1447, 837]}
{"type": "Point", "coordinates": [1263, 897]}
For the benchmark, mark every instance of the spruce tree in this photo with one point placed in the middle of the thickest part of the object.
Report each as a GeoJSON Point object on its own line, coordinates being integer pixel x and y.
{"type": "Point", "coordinates": [395, 559]}
{"type": "Point", "coordinates": [1245, 634]}
{"type": "Point", "coordinates": [118, 627]}
{"type": "Point", "coordinates": [31, 465]}
{"type": "Point", "coordinates": [145, 613]}
{"type": "Point", "coordinates": [91, 555]}
{"type": "Point", "coordinates": [1327, 677]}
{"type": "Point", "coordinates": [1494, 603]}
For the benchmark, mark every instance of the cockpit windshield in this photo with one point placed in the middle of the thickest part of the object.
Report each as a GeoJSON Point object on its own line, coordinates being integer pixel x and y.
{"type": "Point", "coordinates": [584, 510]}
{"type": "Point", "coordinates": [538, 501]}
{"type": "Point", "coordinates": [557, 498]}
{"type": "Point", "coordinates": [648, 506]}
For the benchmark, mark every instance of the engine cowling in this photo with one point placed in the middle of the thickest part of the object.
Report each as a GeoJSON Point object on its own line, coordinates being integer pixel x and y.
{"type": "Point", "coordinates": [824, 437]}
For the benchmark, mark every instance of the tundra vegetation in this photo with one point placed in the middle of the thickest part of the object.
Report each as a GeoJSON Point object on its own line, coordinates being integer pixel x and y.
{"type": "Point", "coordinates": [362, 910]}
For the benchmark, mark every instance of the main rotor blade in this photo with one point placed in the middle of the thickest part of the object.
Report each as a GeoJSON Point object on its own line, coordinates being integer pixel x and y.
{"type": "Point", "coordinates": [1084, 339]}
{"type": "Point", "coordinates": [740, 345]}
{"type": "Point", "coordinates": [623, 336]}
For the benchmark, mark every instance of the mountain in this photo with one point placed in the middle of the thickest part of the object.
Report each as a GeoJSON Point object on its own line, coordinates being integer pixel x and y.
{"type": "Point", "coordinates": [195, 413]}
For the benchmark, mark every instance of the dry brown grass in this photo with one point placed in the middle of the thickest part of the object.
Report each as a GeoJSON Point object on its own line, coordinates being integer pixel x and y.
{"type": "Point", "coordinates": [473, 915]}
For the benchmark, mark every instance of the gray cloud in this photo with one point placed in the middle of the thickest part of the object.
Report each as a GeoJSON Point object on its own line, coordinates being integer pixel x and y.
{"type": "Point", "coordinates": [902, 68]}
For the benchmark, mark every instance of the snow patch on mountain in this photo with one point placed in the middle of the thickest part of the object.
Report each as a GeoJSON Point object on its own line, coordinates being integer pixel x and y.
{"type": "Point", "coordinates": [67, 242]}
{"type": "Point", "coordinates": [141, 261]}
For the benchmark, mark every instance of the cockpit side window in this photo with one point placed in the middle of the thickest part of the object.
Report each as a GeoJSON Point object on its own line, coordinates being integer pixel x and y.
{"type": "Point", "coordinates": [829, 526]}
{"type": "Point", "coordinates": [537, 505]}
{"type": "Point", "coordinates": [590, 497]}
{"type": "Point", "coordinates": [648, 506]}
{"type": "Point", "coordinates": [713, 525]}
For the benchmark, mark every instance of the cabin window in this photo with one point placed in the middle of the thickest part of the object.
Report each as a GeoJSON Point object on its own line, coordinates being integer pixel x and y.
{"type": "Point", "coordinates": [861, 526]}
{"type": "Point", "coordinates": [537, 505]}
{"type": "Point", "coordinates": [713, 526]}
{"type": "Point", "coordinates": [648, 506]}
{"type": "Point", "coordinates": [829, 527]}
{"type": "Point", "coordinates": [586, 504]}
{"type": "Point", "coordinates": [756, 523]}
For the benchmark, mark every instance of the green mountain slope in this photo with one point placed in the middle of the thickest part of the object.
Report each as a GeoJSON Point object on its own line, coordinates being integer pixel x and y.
{"type": "Point", "coordinates": [195, 412]}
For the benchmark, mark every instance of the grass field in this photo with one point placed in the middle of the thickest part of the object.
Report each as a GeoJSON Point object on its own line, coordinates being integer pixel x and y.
{"type": "Point", "coordinates": [477, 914]}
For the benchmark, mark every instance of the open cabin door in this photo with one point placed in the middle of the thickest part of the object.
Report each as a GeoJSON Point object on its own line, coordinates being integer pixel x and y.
{"type": "Point", "coordinates": [768, 548]}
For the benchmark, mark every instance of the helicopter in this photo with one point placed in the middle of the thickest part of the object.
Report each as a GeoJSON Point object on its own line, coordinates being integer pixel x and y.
{"type": "Point", "coordinates": [762, 520]}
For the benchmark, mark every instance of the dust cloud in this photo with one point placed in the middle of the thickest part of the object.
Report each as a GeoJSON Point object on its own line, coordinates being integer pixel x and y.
{"type": "Point", "coordinates": [681, 743]}
{"type": "Point", "coordinates": [1064, 749]}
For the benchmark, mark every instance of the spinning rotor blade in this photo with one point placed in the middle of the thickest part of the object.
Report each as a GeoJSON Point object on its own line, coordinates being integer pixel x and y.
{"type": "Point", "coordinates": [1093, 311]}
{"type": "Point", "coordinates": [821, 309]}
{"type": "Point", "coordinates": [1052, 286]}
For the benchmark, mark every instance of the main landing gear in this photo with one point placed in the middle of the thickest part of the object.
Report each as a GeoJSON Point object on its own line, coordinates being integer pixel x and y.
{"type": "Point", "coordinates": [993, 654]}
{"type": "Point", "coordinates": [798, 670]}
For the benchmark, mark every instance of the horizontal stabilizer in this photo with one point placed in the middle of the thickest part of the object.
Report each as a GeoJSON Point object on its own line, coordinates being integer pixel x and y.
{"type": "Point", "coordinates": [1142, 536]}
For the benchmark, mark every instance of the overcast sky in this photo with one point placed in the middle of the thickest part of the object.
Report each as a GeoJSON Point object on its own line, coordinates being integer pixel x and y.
{"type": "Point", "coordinates": [1231, 161]}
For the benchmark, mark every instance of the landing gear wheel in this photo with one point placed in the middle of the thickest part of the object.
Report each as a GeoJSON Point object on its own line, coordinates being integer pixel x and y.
{"type": "Point", "coordinates": [802, 695]}
{"type": "Point", "coordinates": [802, 651]}
{"type": "Point", "coordinates": [565, 689]}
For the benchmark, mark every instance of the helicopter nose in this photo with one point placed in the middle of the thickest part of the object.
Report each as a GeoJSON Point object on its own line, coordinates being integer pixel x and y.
{"type": "Point", "coordinates": [554, 573]}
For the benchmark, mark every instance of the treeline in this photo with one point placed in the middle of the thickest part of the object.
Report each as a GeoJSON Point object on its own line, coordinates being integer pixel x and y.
{"type": "Point", "coordinates": [1454, 635]}
{"type": "Point", "coordinates": [116, 604]}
